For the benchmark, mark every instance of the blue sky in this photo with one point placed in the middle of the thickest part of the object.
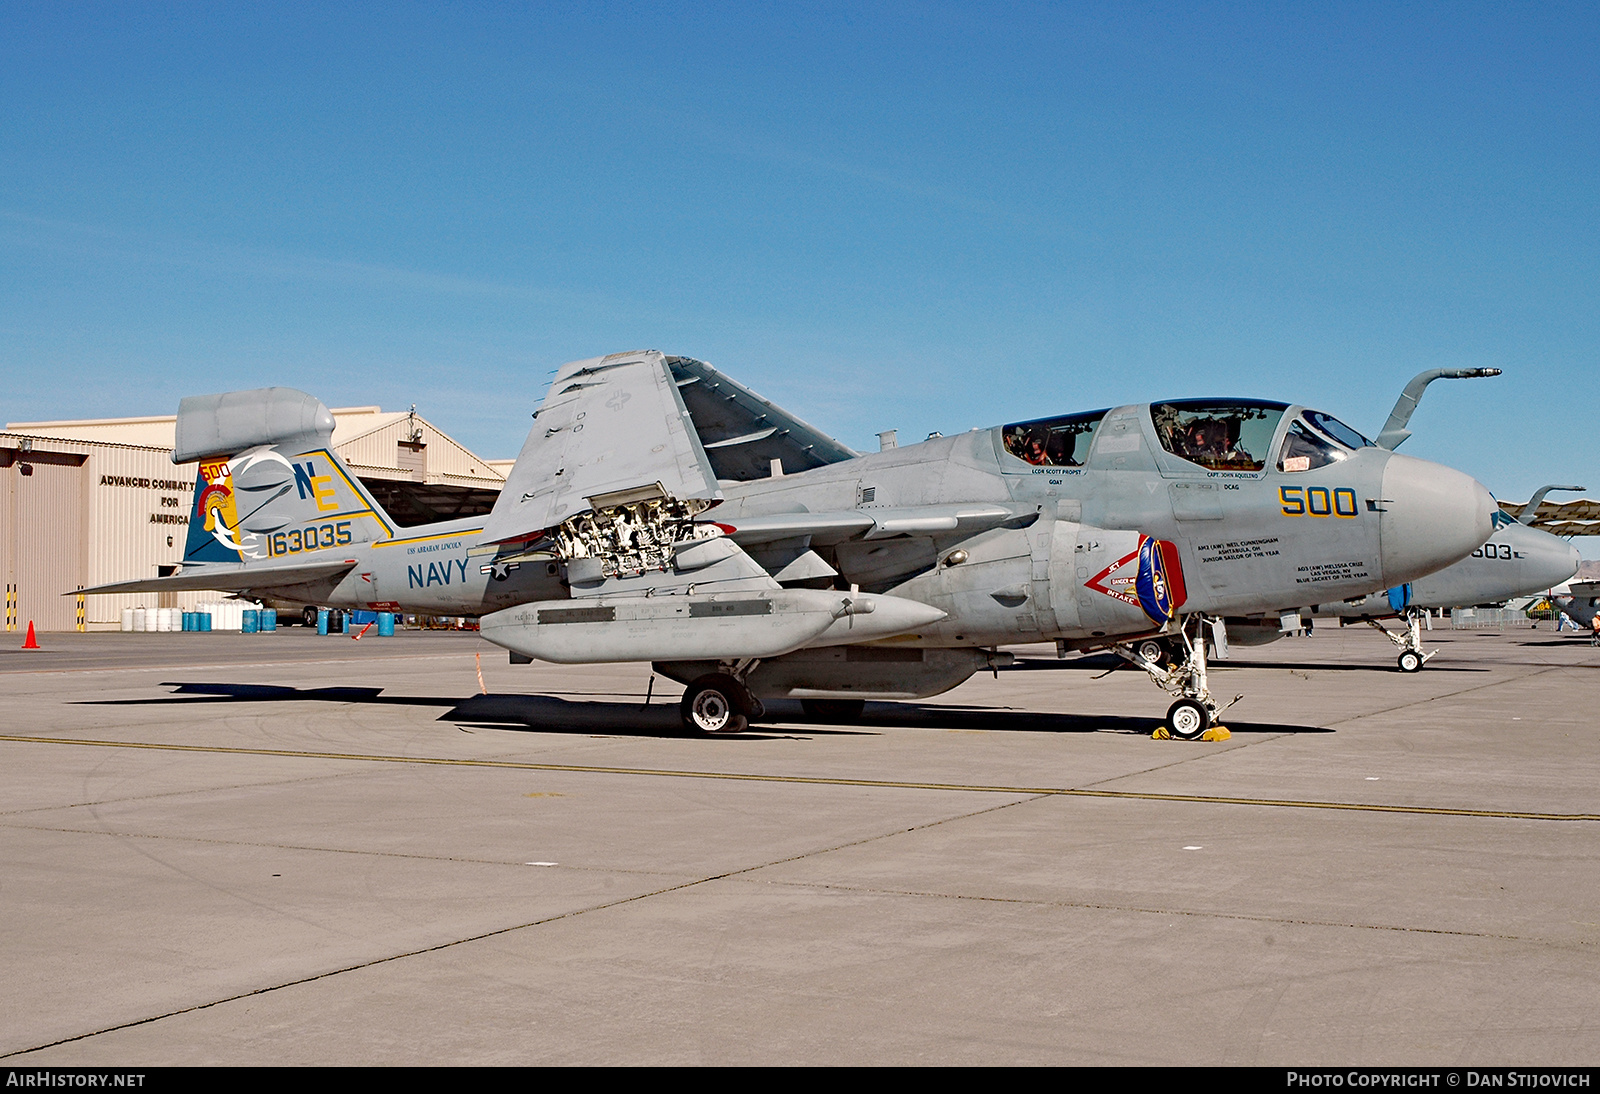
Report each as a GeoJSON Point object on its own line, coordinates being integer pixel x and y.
{"type": "Point", "coordinates": [923, 217]}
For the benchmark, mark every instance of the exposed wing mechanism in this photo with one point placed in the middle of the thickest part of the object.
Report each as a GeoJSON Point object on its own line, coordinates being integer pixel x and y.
{"type": "Point", "coordinates": [612, 433]}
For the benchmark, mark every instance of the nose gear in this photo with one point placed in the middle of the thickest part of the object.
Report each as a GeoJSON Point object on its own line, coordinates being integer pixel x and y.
{"type": "Point", "coordinates": [1412, 657]}
{"type": "Point", "coordinates": [1196, 710]}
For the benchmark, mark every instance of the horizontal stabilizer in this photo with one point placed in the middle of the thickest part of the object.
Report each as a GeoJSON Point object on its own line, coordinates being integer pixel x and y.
{"type": "Point", "coordinates": [236, 421]}
{"type": "Point", "coordinates": [227, 578]}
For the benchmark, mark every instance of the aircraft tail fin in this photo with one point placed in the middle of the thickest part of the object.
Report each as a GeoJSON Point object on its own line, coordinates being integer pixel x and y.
{"type": "Point", "coordinates": [269, 489]}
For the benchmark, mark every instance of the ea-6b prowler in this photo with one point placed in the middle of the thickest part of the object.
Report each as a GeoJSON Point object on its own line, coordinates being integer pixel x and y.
{"type": "Point", "coordinates": [661, 512]}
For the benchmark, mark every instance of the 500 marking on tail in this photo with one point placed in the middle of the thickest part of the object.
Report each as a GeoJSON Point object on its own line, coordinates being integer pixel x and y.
{"type": "Point", "coordinates": [313, 537]}
{"type": "Point", "coordinates": [1317, 501]}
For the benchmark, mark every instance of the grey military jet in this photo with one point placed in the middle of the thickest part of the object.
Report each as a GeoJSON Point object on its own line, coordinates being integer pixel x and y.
{"type": "Point", "coordinates": [1518, 560]}
{"type": "Point", "coordinates": [1582, 605]}
{"type": "Point", "coordinates": [660, 511]}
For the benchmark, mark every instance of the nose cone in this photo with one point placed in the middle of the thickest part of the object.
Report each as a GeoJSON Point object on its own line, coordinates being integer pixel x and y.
{"type": "Point", "coordinates": [1432, 516]}
{"type": "Point", "coordinates": [1547, 561]}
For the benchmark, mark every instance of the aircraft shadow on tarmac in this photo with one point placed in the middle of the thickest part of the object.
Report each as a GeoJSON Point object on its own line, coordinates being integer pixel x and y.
{"type": "Point", "coordinates": [551, 714]}
{"type": "Point", "coordinates": [1108, 662]}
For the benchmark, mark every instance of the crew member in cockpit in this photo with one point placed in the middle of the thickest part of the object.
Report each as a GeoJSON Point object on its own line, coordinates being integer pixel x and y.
{"type": "Point", "coordinates": [1036, 451]}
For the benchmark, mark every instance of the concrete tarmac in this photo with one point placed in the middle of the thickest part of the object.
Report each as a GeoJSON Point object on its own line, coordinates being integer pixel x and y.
{"type": "Point", "coordinates": [285, 849]}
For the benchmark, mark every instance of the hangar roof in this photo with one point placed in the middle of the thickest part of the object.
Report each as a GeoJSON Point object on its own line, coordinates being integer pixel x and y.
{"type": "Point", "coordinates": [415, 470]}
{"type": "Point", "coordinates": [1562, 518]}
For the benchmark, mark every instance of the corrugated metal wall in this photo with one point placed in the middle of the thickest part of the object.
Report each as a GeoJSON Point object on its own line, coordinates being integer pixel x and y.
{"type": "Point", "coordinates": [387, 452]}
{"type": "Point", "coordinates": [122, 513]}
{"type": "Point", "coordinates": [119, 512]}
{"type": "Point", "coordinates": [43, 533]}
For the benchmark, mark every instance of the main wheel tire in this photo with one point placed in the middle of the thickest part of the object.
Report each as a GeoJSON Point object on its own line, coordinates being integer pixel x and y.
{"type": "Point", "coordinates": [1411, 661]}
{"type": "Point", "coordinates": [716, 704]}
{"type": "Point", "coordinates": [309, 617]}
{"type": "Point", "coordinates": [834, 710]}
{"type": "Point", "coordinates": [1187, 719]}
{"type": "Point", "coordinates": [1152, 650]}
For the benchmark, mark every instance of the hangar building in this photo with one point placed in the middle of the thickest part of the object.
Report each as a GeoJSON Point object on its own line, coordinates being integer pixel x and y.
{"type": "Point", "coordinates": [87, 503]}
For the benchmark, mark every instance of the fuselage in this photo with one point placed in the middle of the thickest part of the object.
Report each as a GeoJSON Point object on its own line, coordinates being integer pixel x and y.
{"type": "Point", "coordinates": [1516, 561]}
{"type": "Point", "coordinates": [1262, 505]}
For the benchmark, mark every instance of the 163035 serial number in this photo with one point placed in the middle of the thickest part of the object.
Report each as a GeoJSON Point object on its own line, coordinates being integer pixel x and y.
{"type": "Point", "coordinates": [313, 537]}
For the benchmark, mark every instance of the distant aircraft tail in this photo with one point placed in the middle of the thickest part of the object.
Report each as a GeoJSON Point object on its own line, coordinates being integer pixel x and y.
{"type": "Point", "coordinates": [270, 490]}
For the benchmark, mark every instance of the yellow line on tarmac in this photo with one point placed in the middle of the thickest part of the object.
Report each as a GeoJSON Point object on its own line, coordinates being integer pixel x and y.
{"type": "Point", "coordinates": [816, 780]}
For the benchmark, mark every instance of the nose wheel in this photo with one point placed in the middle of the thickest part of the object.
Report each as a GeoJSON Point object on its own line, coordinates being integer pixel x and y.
{"type": "Point", "coordinates": [1179, 666]}
{"type": "Point", "coordinates": [1187, 719]}
{"type": "Point", "coordinates": [1412, 656]}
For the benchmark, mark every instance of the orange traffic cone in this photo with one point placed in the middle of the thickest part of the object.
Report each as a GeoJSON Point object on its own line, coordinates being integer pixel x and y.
{"type": "Point", "coordinates": [32, 643]}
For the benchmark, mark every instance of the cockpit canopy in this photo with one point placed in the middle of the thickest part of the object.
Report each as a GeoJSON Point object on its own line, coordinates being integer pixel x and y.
{"type": "Point", "coordinates": [1053, 442]}
{"type": "Point", "coordinates": [1219, 434]}
{"type": "Point", "coordinates": [1306, 446]}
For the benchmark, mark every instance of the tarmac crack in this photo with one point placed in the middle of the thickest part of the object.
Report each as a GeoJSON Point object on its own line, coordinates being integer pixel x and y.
{"type": "Point", "coordinates": [499, 931]}
{"type": "Point", "coordinates": [306, 847]}
{"type": "Point", "coordinates": [819, 780]}
{"type": "Point", "coordinates": [1446, 695]}
{"type": "Point", "coordinates": [1193, 913]}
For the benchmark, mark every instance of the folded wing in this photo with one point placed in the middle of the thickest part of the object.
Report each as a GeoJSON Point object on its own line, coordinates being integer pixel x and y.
{"type": "Point", "coordinates": [612, 431]}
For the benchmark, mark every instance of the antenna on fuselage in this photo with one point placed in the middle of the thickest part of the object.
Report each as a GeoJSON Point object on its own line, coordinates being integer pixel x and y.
{"type": "Point", "coordinates": [1394, 430]}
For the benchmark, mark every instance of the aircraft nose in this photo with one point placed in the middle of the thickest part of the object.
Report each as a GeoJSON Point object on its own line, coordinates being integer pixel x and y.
{"type": "Point", "coordinates": [1432, 516]}
{"type": "Point", "coordinates": [1553, 563]}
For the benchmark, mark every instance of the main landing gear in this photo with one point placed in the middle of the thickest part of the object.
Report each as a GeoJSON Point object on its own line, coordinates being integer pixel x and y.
{"type": "Point", "coordinates": [1411, 658]}
{"type": "Point", "coordinates": [720, 703]}
{"type": "Point", "coordinates": [1179, 666]}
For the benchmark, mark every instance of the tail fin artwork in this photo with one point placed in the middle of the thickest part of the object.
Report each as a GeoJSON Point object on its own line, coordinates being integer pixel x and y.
{"type": "Point", "coordinates": [273, 505]}
{"type": "Point", "coordinates": [269, 489]}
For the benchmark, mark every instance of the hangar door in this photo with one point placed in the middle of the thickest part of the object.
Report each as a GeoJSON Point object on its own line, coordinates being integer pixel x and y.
{"type": "Point", "coordinates": [41, 537]}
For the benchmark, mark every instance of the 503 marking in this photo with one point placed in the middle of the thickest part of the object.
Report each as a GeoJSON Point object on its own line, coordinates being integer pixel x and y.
{"type": "Point", "coordinates": [1317, 501]}
{"type": "Point", "coordinates": [313, 537]}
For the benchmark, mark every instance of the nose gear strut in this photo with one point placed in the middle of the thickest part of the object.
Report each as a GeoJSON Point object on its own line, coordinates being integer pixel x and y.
{"type": "Point", "coordinates": [1196, 709]}
{"type": "Point", "coordinates": [1409, 640]}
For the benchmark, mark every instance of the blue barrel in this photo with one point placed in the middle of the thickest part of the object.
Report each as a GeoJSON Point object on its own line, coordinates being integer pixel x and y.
{"type": "Point", "coordinates": [204, 619]}
{"type": "Point", "coordinates": [189, 623]}
{"type": "Point", "coordinates": [250, 622]}
{"type": "Point", "coordinates": [322, 620]}
{"type": "Point", "coordinates": [385, 624]}
{"type": "Point", "coordinates": [269, 619]}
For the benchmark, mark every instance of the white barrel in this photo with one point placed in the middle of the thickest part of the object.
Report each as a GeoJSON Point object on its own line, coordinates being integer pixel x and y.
{"type": "Point", "coordinates": [127, 619]}
{"type": "Point", "coordinates": [163, 619]}
{"type": "Point", "coordinates": [140, 619]}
